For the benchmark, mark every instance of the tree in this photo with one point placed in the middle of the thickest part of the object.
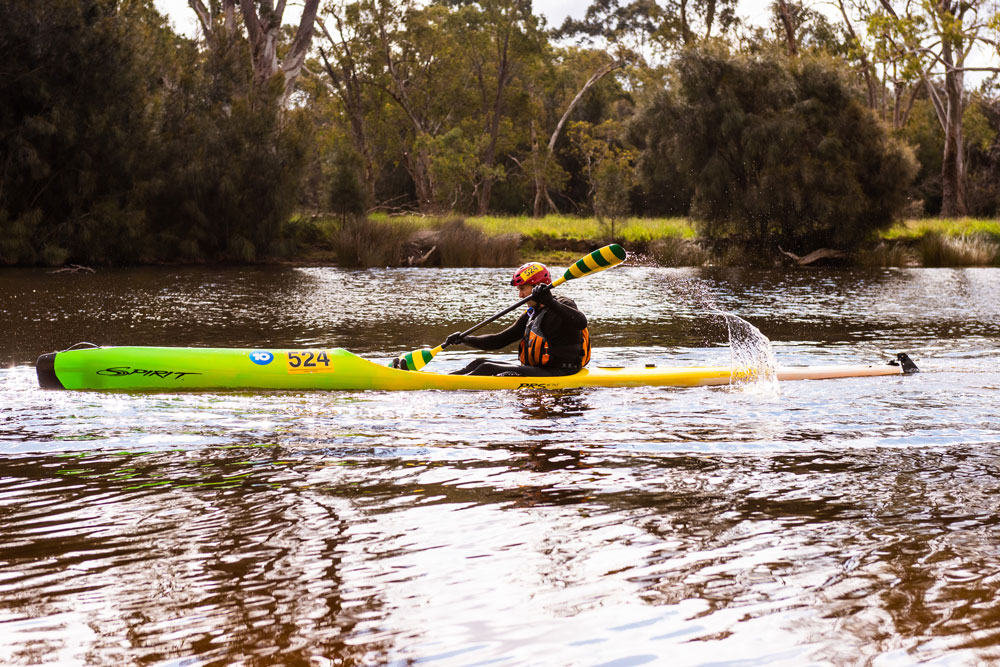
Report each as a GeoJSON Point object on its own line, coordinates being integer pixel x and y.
{"type": "Point", "coordinates": [343, 55]}
{"type": "Point", "coordinates": [542, 158]}
{"type": "Point", "coordinates": [263, 22]}
{"type": "Point", "coordinates": [347, 194]}
{"type": "Point", "coordinates": [778, 150]}
{"type": "Point", "coordinates": [415, 66]}
{"type": "Point", "coordinates": [932, 42]}
{"type": "Point", "coordinates": [609, 167]}
{"type": "Point", "coordinates": [641, 26]}
{"type": "Point", "coordinates": [77, 128]}
{"type": "Point", "coordinates": [499, 38]}
{"type": "Point", "coordinates": [231, 164]}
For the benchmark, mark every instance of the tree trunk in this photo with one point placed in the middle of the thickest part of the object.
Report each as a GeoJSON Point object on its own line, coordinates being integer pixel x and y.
{"type": "Point", "coordinates": [212, 34]}
{"type": "Point", "coordinates": [953, 202]}
{"type": "Point", "coordinates": [263, 30]}
{"type": "Point", "coordinates": [538, 169]}
{"type": "Point", "coordinates": [541, 163]}
{"type": "Point", "coordinates": [709, 18]}
{"type": "Point", "coordinates": [786, 21]}
{"type": "Point", "coordinates": [418, 167]}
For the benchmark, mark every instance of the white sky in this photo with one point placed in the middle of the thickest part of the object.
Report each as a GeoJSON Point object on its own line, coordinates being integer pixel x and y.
{"type": "Point", "coordinates": [554, 11]}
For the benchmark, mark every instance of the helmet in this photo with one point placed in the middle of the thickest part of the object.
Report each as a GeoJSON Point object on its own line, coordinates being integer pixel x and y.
{"type": "Point", "coordinates": [532, 273]}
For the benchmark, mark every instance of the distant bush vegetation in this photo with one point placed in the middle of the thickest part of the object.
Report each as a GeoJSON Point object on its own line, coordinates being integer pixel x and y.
{"type": "Point", "coordinates": [122, 142]}
{"type": "Point", "coordinates": [360, 242]}
{"type": "Point", "coordinates": [774, 151]}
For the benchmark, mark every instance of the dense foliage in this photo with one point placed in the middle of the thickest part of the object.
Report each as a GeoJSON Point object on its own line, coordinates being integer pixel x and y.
{"type": "Point", "coordinates": [122, 141]}
{"type": "Point", "coordinates": [778, 150]}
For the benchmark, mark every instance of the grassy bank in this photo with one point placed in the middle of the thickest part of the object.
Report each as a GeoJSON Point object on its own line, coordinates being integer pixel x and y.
{"type": "Point", "coordinates": [414, 240]}
{"type": "Point", "coordinates": [936, 242]}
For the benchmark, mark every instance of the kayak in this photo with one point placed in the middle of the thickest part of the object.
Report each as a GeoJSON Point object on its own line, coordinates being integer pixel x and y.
{"type": "Point", "coordinates": [89, 367]}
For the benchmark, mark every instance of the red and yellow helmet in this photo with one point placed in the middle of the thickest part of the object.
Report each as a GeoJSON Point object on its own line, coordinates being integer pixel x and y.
{"type": "Point", "coordinates": [532, 273]}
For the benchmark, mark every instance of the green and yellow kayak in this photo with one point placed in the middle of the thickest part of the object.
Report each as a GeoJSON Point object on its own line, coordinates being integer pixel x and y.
{"type": "Point", "coordinates": [196, 369]}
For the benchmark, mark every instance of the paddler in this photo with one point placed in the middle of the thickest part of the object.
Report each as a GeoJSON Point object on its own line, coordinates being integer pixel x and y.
{"type": "Point", "coordinates": [553, 333]}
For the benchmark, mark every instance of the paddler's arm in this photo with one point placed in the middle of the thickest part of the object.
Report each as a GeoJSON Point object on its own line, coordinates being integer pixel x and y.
{"type": "Point", "coordinates": [564, 307]}
{"type": "Point", "coordinates": [498, 340]}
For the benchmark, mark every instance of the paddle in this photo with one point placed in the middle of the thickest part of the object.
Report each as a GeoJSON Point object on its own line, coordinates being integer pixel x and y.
{"type": "Point", "coordinates": [600, 259]}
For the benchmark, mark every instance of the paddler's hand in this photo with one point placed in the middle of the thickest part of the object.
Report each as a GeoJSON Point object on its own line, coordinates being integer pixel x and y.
{"type": "Point", "coordinates": [454, 339]}
{"type": "Point", "coordinates": [542, 294]}
{"type": "Point", "coordinates": [400, 363]}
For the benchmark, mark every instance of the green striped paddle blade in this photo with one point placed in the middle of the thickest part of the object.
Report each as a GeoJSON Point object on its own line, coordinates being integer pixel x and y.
{"type": "Point", "coordinates": [600, 259]}
{"type": "Point", "coordinates": [419, 358]}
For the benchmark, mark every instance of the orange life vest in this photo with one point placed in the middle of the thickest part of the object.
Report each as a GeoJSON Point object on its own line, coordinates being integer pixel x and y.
{"type": "Point", "coordinates": [537, 350]}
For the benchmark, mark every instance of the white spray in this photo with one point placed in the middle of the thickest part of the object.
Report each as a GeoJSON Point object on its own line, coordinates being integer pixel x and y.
{"type": "Point", "coordinates": [751, 357]}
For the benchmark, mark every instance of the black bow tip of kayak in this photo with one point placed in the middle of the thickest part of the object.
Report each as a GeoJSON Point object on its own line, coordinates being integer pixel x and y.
{"type": "Point", "coordinates": [903, 360]}
{"type": "Point", "coordinates": [45, 367]}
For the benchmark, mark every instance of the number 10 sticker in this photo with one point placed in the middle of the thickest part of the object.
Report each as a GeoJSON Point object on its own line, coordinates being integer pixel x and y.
{"type": "Point", "coordinates": [309, 362]}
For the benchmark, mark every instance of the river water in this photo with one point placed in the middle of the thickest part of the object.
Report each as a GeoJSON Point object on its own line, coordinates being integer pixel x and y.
{"type": "Point", "coordinates": [836, 522]}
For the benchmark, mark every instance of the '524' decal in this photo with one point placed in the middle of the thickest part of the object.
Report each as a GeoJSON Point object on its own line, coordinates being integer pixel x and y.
{"type": "Point", "coordinates": [307, 361]}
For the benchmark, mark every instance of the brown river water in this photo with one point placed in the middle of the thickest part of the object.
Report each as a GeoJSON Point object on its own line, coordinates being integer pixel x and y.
{"type": "Point", "coordinates": [839, 522]}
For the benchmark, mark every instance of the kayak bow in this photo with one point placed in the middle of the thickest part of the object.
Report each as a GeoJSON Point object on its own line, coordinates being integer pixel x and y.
{"type": "Point", "coordinates": [197, 369]}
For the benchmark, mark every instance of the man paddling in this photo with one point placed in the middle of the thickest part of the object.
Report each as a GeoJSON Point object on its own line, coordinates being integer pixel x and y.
{"type": "Point", "coordinates": [561, 343]}
{"type": "Point", "coordinates": [553, 333]}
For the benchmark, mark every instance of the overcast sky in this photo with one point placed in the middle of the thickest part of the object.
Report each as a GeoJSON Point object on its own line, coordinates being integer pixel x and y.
{"type": "Point", "coordinates": [554, 11]}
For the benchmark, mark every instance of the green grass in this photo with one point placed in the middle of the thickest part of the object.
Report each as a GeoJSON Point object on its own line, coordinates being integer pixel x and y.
{"type": "Point", "coordinates": [668, 241]}
{"type": "Point", "coordinates": [649, 229]}
{"type": "Point", "coordinates": [563, 226]}
{"type": "Point", "coordinates": [916, 229]}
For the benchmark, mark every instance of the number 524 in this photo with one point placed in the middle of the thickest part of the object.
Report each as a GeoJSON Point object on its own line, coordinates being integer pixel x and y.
{"type": "Point", "coordinates": [309, 362]}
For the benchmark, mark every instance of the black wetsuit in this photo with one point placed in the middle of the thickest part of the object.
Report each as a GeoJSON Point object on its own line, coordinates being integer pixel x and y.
{"type": "Point", "coordinates": [562, 327]}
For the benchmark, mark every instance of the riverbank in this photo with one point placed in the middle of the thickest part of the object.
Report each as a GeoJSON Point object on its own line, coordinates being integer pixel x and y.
{"type": "Point", "coordinates": [454, 241]}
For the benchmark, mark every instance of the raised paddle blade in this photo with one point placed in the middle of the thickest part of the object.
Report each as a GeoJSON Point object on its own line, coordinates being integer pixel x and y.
{"type": "Point", "coordinates": [600, 259]}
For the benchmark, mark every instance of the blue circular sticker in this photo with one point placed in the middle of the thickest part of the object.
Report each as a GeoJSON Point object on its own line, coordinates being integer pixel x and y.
{"type": "Point", "coordinates": [261, 357]}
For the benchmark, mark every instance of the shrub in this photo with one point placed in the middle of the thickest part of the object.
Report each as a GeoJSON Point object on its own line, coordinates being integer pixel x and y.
{"type": "Point", "coordinates": [75, 129]}
{"type": "Point", "coordinates": [365, 243]}
{"type": "Point", "coordinates": [777, 150]}
{"type": "Point", "coordinates": [886, 254]}
{"type": "Point", "coordinates": [461, 245]}
{"type": "Point", "coordinates": [942, 250]}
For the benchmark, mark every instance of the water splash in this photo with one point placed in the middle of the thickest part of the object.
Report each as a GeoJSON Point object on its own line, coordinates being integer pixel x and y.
{"type": "Point", "coordinates": [752, 362]}
{"type": "Point", "coordinates": [751, 357]}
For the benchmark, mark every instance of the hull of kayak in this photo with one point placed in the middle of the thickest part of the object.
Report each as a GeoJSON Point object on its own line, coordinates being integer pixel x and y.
{"type": "Point", "coordinates": [198, 369]}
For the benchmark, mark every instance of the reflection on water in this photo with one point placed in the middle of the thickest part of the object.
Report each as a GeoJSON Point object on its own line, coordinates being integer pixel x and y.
{"type": "Point", "coordinates": [239, 554]}
{"type": "Point", "coordinates": [842, 522]}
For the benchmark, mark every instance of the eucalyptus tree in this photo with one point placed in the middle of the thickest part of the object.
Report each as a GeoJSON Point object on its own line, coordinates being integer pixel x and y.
{"type": "Point", "coordinates": [262, 20]}
{"type": "Point", "coordinates": [647, 26]}
{"type": "Point", "coordinates": [934, 43]}
{"type": "Point", "coordinates": [799, 27]}
{"type": "Point", "coordinates": [346, 58]}
{"type": "Point", "coordinates": [412, 59]}
{"type": "Point", "coordinates": [609, 167]}
{"type": "Point", "coordinates": [557, 93]}
{"type": "Point", "coordinates": [234, 147]}
{"type": "Point", "coordinates": [500, 41]}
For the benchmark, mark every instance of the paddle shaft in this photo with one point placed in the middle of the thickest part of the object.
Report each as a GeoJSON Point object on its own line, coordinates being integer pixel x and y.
{"type": "Point", "coordinates": [494, 318]}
